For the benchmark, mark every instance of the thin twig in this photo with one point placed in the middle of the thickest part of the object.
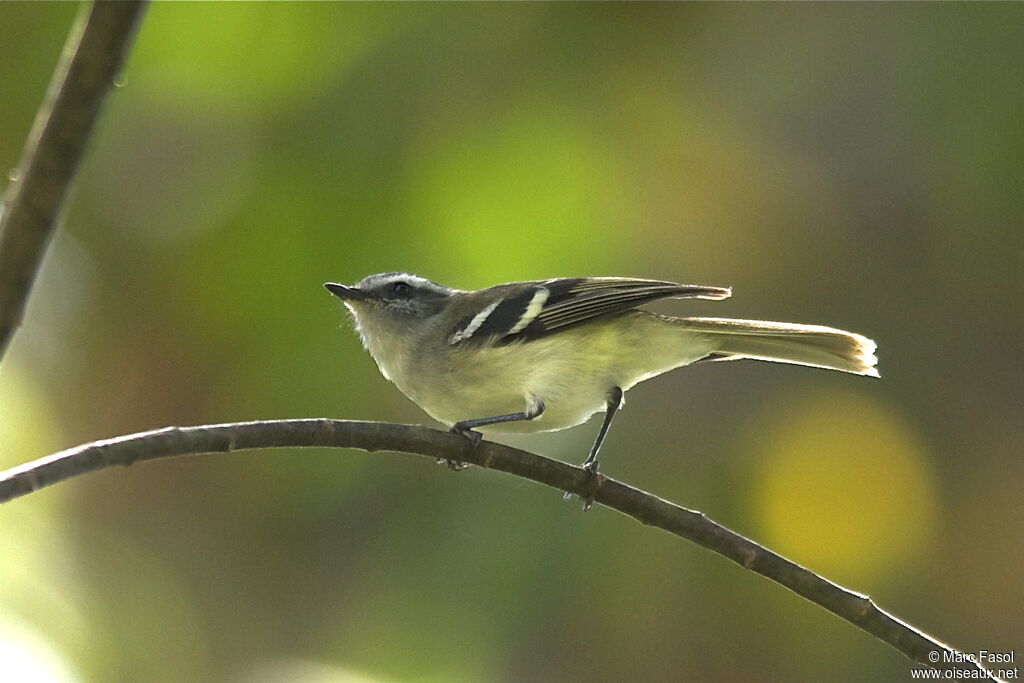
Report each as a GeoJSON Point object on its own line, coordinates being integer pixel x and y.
{"type": "Point", "coordinates": [92, 57]}
{"type": "Point", "coordinates": [858, 609]}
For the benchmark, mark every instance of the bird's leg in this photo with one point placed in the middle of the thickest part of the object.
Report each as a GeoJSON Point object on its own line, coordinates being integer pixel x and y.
{"type": "Point", "coordinates": [614, 403]}
{"type": "Point", "coordinates": [466, 427]}
{"type": "Point", "coordinates": [590, 464]}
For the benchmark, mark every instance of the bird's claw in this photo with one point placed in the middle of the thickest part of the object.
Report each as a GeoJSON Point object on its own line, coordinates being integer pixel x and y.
{"type": "Point", "coordinates": [587, 500]}
{"type": "Point", "coordinates": [453, 465]}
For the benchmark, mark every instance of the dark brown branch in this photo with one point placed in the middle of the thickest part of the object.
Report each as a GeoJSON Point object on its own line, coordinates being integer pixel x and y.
{"type": "Point", "coordinates": [858, 609]}
{"type": "Point", "coordinates": [95, 50]}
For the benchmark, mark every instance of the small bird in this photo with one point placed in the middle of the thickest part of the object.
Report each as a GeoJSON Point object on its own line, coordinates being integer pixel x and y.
{"type": "Point", "coordinates": [546, 355]}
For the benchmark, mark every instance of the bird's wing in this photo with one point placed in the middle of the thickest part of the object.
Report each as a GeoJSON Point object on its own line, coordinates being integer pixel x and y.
{"type": "Point", "coordinates": [549, 306]}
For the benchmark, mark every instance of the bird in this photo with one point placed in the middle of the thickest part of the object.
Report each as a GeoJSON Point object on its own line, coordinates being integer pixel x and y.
{"type": "Point", "coordinates": [546, 355]}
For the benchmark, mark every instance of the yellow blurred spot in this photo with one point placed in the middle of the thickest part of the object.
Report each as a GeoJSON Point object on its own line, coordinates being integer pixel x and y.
{"type": "Point", "coordinates": [28, 656]}
{"type": "Point", "coordinates": [305, 671]}
{"type": "Point", "coordinates": [521, 197]}
{"type": "Point", "coordinates": [247, 57]}
{"type": "Point", "coordinates": [28, 428]}
{"type": "Point", "coordinates": [842, 486]}
{"type": "Point", "coordinates": [41, 624]}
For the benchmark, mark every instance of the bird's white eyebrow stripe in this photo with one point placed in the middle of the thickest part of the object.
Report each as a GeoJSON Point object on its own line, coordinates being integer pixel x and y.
{"type": "Point", "coordinates": [533, 309]}
{"type": "Point", "coordinates": [474, 324]}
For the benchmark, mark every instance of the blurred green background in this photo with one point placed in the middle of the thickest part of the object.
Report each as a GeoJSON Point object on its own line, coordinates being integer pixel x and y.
{"type": "Point", "coordinates": [853, 165]}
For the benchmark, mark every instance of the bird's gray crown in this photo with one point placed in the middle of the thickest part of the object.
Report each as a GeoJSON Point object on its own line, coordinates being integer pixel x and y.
{"type": "Point", "coordinates": [385, 284]}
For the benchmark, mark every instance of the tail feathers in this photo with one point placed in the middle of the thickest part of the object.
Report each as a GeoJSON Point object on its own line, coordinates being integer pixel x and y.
{"type": "Point", "coordinates": [814, 345]}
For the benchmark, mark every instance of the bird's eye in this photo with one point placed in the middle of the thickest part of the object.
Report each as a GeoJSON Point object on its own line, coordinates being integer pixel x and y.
{"type": "Point", "coordinates": [400, 288]}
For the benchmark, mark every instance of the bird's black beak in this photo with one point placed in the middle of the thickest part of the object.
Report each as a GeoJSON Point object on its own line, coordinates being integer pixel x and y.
{"type": "Point", "coordinates": [346, 293]}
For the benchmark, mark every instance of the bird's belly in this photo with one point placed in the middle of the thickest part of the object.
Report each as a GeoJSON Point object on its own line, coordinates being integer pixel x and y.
{"type": "Point", "coordinates": [569, 396]}
{"type": "Point", "coordinates": [561, 409]}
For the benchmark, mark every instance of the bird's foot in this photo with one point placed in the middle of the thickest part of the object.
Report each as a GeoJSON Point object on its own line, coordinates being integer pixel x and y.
{"type": "Point", "coordinates": [473, 436]}
{"type": "Point", "coordinates": [589, 466]}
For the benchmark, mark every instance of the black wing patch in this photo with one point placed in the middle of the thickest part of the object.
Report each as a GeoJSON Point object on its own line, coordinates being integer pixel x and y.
{"type": "Point", "coordinates": [508, 314]}
{"type": "Point", "coordinates": [554, 305]}
{"type": "Point", "coordinates": [503, 316]}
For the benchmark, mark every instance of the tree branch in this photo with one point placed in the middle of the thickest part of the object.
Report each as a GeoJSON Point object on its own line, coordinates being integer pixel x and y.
{"type": "Point", "coordinates": [93, 55]}
{"type": "Point", "coordinates": [648, 509]}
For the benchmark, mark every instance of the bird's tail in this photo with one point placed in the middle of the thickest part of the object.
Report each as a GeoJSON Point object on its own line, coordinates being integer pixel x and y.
{"type": "Point", "coordinates": [815, 345]}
